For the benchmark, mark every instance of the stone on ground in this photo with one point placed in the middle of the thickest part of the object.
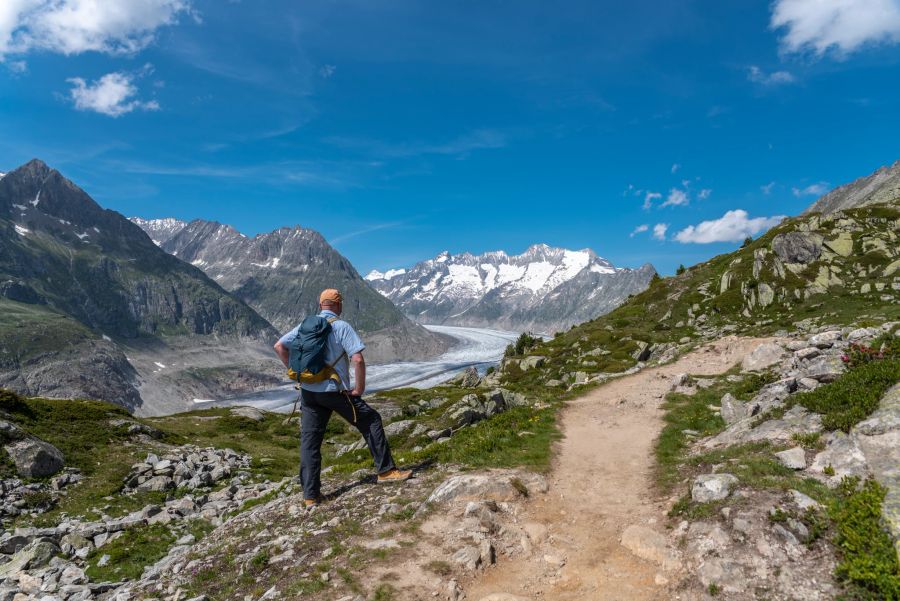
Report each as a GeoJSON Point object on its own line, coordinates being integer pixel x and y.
{"type": "Point", "coordinates": [712, 487]}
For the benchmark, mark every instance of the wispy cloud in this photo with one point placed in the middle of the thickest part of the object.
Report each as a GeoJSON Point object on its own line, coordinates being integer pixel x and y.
{"type": "Point", "coordinates": [812, 190]}
{"type": "Point", "coordinates": [650, 197]}
{"type": "Point", "coordinates": [817, 26]}
{"type": "Point", "coordinates": [326, 71]}
{"type": "Point", "coordinates": [733, 226]}
{"type": "Point", "coordinates": [311, 173]}
{"type": "Point", "coordinates": [369, 229]}
{"type": "Point", "coordinates": [704, 193]}
{"type": "Point", "coordinates": [767, 188]}
{"type": "Point", "coordinates": [676, 198]}
{"type": "Point", "coordinates": [639, 230]}
{"type": "Point", "coordinates": [479, 139]}
{"type": "Point", "coordinates": [659, 231]}
{"type": "Point", "coordinates": [675, 168]}
{"type": "Point", "coordinates": [757, 75]}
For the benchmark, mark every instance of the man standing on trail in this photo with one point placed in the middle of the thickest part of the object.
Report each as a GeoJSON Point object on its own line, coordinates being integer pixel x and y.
{"type": "Point", "coordinates": [334, 394]}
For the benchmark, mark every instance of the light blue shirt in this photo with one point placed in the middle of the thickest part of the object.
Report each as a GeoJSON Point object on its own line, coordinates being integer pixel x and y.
{"type": "Point", "coordinates": [343, 338]}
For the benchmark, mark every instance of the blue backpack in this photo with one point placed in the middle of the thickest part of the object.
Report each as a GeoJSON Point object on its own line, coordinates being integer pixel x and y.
{"type": "Point", "coordinates": [306, 360]}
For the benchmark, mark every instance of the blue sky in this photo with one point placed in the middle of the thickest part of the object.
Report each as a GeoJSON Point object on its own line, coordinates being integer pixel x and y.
{"type": "Point", "coordinates": [400, 129]}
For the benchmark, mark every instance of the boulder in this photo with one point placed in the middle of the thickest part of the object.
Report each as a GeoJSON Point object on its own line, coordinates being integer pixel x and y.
{"type": "Point", "coordinates": [532, 362]}
{"type": "Point", "coordinates": [712, 487]}
{"type": "Point", "coordinates": [251, 413]}
{"type": "Point", "coordinates": [643, 352]}
{"type": "Point", "coordinates": [469, 378]}
{"type": "Point", "coordinates": [841, 457]}
{"type": "Point", "coordinates": [794, 459]}
{"type": "Point", "coordinates": [825, 340]}
{"type": "Point", "coordinates": [805, 354]}
{"type": "Point", "coordinates": [826, 368]}
{"type": "Point", "coordinates": [797, 247]}
{"type": "Point", "coordinates": [842, 245]}
{"type": "Point", "coordinates": [399, 427]}
{"type": "Point", "coordinates": [496, 486]}
{"type": "Point", "coordinates": [35, 458]}
{"type": "Point", "coordinates": [10, 432]}
{"type": "Point", "coordinates": [763, 356]}
{"type": "Point", "coordinates": [733, 410]}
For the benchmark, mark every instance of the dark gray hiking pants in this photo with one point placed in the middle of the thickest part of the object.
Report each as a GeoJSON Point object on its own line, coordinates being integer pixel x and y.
{"type": "Point", "coordinates": [316, 409]}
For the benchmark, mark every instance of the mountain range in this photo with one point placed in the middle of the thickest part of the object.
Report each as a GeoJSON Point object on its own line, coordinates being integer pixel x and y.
{"type": "Point", "coordinates": [281, 273]}
{"type": "Point", "coordinates": [81, 285]}
{"type": "Point", "coordinates": [542, 289]}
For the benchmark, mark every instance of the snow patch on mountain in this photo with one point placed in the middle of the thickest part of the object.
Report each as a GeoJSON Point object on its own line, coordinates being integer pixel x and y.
{"type": "Point", "coordinates": [495, 289]}
{"type": "Point", "coordinates": [387, 275]}
{"type": "Point", "coordinates": [159, 230]}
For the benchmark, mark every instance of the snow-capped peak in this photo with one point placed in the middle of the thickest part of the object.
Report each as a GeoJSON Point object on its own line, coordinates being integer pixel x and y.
{"type": "Point", "coordinates": [159, 230]}
{"type": "Point", "coordinates": [387, 275]}
{"type": "Point", "coordinates": [467, 289]}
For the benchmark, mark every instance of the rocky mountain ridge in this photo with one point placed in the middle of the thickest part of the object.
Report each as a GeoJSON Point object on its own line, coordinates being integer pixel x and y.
{"type": "Point", "coordinates": [883, 186]}
{"type": "Point", "coordinates": [542, 289]}
{"type": "Point", "coordinates": [81, 287]}
{"type": "Point", "coordinates": [281, 273]}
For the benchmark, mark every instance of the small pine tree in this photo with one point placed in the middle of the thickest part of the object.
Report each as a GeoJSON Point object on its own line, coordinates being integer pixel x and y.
{"type": "Point", "coordinates": [747, 242]}
{"type": "Point", "coordinates": [681, 269]}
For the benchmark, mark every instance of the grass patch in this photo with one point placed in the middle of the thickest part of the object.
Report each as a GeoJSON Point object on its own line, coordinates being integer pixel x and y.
{"type": "Point", "coordinates": [853, 396]}
{"type": "Point", "coordinates": [502, 441]}
{"type": "Point", "coordinates": [868, 565]}
{"type": "Point", "coordinates": [689, 416]}
{"type": "Point", "coordinates": [130, 553]}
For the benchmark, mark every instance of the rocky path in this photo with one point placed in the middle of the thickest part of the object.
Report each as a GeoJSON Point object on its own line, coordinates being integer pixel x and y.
{"type": "Point", "coordinates": [601, 485]}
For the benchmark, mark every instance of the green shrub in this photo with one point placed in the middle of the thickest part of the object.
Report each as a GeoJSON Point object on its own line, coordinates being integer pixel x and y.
{"type": "Point", "coordinates": [522, 345]}
{"type": "Point", "coordinates": [11, 402]}
{"type": "Point", "coordinates": [868, 564]}
{"type": "Point", "coordinates": [852, 397]}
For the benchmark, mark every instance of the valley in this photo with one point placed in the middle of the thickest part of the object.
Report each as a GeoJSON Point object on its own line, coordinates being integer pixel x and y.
{"type": "Point", "coordinates": [473, 347]}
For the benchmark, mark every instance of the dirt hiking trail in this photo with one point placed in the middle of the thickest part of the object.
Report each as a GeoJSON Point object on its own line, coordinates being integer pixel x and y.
{"type": "Point", "coordinates": [601, 483]}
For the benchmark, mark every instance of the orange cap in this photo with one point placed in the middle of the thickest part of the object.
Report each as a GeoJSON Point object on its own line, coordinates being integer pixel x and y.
{"type": "Point", "coordinates": [330, 295]}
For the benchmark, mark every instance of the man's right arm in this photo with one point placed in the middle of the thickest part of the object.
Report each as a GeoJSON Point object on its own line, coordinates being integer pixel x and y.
{"type": "Point", "coordinates": [359, 374]}
{"type": "Point", "coordinates": [282, 352]}
{"type": "Point", "coordinates": [282, 347]}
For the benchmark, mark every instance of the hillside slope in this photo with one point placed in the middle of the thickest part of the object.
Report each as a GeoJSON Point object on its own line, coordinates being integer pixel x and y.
{"type": "Point", "coordinates": [837, 269]}
{"type": "Point", "coordinates": [281, 273]}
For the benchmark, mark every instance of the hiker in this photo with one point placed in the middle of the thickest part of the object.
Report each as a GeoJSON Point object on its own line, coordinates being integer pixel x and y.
{"type": "Point", "coordinates": [325, 388]}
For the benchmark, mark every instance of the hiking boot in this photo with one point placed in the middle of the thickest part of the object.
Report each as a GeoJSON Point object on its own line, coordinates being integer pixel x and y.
{"type": "Point", "coordinates": [313, 502]}
{"type": "Point", "coordinates": [394, 475]}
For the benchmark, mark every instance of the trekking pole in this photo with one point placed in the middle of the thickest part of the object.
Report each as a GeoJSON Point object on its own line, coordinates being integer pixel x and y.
{"type": "Point", "coordinates": [299, 434]}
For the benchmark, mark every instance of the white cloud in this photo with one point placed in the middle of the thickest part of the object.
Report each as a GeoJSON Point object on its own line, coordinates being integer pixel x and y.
{"type": "Point", "coordinates": [811, 190]}
{"type": "Point", "coordinates": [704, 193]}
{"type": "Point", "coordinates": [733, 226]}
{"type": "Point", "coordinates": [650, 197]}
{"type": "Point", "coordinates": [639, 230]}
{"type": "Point", "coordinates": [845, 25]}
{"type": "Point", "coordinates": [676, 198]}
{"type": "Point", "coordinates": [757, 75]}
{"type": "Point", "coordinates": [675, 167]}
{"type": "Point", "coordinates": [767, 189]}
{"type": "Point", "coordinates": [659, 231]}
{"type": "Point", "coordinates": [326, 71]}
{"type": "Point", "coordinates": [113, 95]}
{"type": "Point", "coordinates": [76, 26]}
